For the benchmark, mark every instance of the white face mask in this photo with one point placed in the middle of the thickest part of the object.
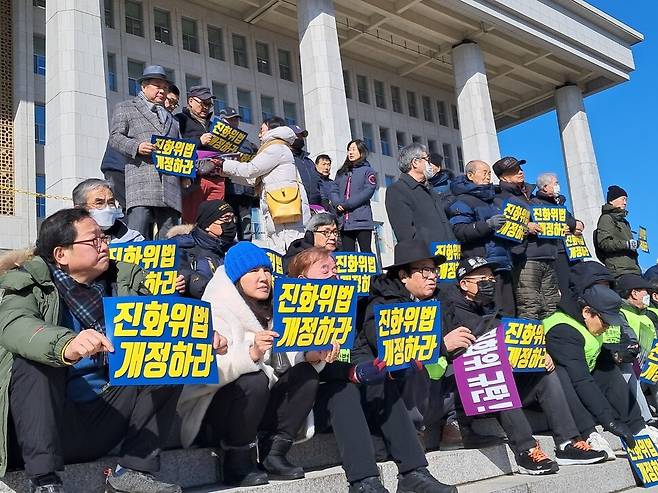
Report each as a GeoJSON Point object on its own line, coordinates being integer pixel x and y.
{"type": "Point", "coordinates": [646, 300]}
{"type": "Point", "coordinates": [428, 171]}
{"type": "Point", "coordinates": [106, 216]}
{"type": "Point", "coordinates": [556, 190]}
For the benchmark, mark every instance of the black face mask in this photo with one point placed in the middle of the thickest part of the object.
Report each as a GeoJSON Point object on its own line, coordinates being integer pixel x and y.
{"type": "Point", "coordinates": [298, 144]}
{"type": "Point", "coordinates": [486, 291]}
{"type": "Point", "coordinates": [228, 232]}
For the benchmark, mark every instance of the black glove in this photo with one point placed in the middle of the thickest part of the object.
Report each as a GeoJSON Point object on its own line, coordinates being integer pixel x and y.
{"type": "Point", "coordinates": [632, 244]}
{"type": "Point", "coordinates": [496, 222]}
{"type": "Point", "coordinates": [368, 373]}
{"type": "Point", "coordinates": [622, 431]}
{"type": "Point", "coordinates": [627, 355]}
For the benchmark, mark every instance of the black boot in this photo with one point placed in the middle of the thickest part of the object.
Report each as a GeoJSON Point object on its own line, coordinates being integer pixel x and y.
{"type": "Point", "coordinates": [272, 450]}
{"type": "Point", "coordinates": [421, 481]}
{"type": "Point", "coordinates": [240, 468]}
{"type": "Point", "coordinates": [368, 485]}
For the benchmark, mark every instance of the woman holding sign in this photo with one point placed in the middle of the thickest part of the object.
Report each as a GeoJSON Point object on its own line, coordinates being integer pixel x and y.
{"type": "Point", "coordinates": [259, 393]}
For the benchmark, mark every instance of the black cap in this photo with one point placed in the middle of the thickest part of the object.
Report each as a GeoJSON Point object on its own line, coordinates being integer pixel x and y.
{"type": "Point", "coordinates": [154, 72]}
{"type": "Point", "coordinates": [410, 251]}
{"type": "Point", "coordinates": [210, 211]}
{"type": "Point", "coordinates": [436, 159]}
{"type": "Point", "coordinates": [505, 164]}
{"type": "Point", "coordinates": [627, 282]}
{"type": "Point", "coordinates": [614, 192]}
{"type": "Point", "coordinates": [605, 302]}
{"type": "Point", "coordinates": [200, 92]}
{"type": "Point", "coordinates": [468, 265]}
{"type": "Point", "coordinates": [228, 112]}
{"type": "Point", "coordinates": [299, 131]}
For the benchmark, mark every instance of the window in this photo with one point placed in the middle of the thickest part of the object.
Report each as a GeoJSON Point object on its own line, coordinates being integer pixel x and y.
{"type": "Point", "coordinates": [267, 106]}
{"type": "Point", "coordinates": [380, 94]}
{"type": "Point", "coordinates": [362, 89]}
{"type": "Point", "coordinates": [240, 57]}
{"type": "Point", "coordinates": [447, 155]}
{"type": "Point", "coordinates": [353, 128]}
{"type": "Point", "coordinates": [285, 65]}
{"type": "Point", "coordinates": [455, 117]}
{"type": "Point", "coordinates": [290, 112]}
{"type": "Point", "coordinates": [427, 109]}
{"type": "Point", "coordinates": [162, 23]}
{"type": "Point", "coordinates": [348, 84]}
{"type": "Point", "coordinates": [39, 3]}
{"type": "Point", "coordinates": [441, 110]}
{"type": "Point", "coordinates": [191, 81]}
{"type": "Point", "coordinates": [190, 35]}
{"type": "Point", "coordinates": [134, 18]}
{"type": "Point", "coordinates": [244, 106]}
{"type": "Point", "coordinates": [400, 139]}
{"type": "Point", "coordinates": [215, 43]}
{"type": "Point", "coordinates": [40, 124]}
{"type": "Point", "coordinates": [220, 101]}
{"type": "Point", "coordinates": [112, 72]}
{"type": "Point", "coordinates": [171, 74]}
{"type": "Point", "coordinates": [108, 7]}
{"type": "Point", "coordinates": [263, 58]}
{"type": "Point", "coordinates": [39, 43]}
{"type": "Point", "coordinates": [416, 139]}
{"type": "Point", "coordinates": [411, 104]}
{"type": "Point", "coordinates": [385, 141]}
{"type": "Point", "coordinates": [460, 159]}
{"type": "Point", "coordinates": [41, 201]}
{"type": "Point", "coordinates": [396, 99]}
{"type": "Point", "coordinates": [431, 145]}
{"type": "Point", "coordinates": [366, 128]}
{"type": "Point", "coordinates": [135, 70]}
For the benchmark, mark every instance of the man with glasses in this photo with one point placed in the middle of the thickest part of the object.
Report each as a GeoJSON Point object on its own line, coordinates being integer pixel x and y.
{"type": "Point", "coordinates": [321, 232]}
{"type": "Point", "coordinates": [414, 209]}
{"type": "Point", "coordinates": [53, 354]}
{"type": "Point", "coordinates": [171, 101]}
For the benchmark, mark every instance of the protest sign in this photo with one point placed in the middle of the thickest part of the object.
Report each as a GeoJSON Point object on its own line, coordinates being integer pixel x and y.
{"type": "Point", "coordinates": [643, 240]}
{"type": "Point", "coordinates": [225, 138]}
{"type": "Point", "coordinates": [526, 344]}
{"type": "Point", "coordinates": [649, 368]}
{"type": "Point", "coordinates": [644, 460]}
{"type": "Point", "coordinates": [452, 251]}
{"type": "Point", "coordinates": [158, 258]}
{"type": "Point", "coordinates": [174, 156]}
{"type": "Point", "coordinates": [310, 314]}
{"type": "Point", "coordinates": [517, 218]}
{"type": "Point", "coordinates": [277, 261]}
{"type": "Point", "coordinates": [408, 331]}
{"type": "Point", "coordinates": [551, 219]}
{"type": "Point", "coordinates": [484, 376]}
{"type": "Point", "coordinates": [358, 267]}
{"type": "Point", "coordinates": [160, 341]}
{"type": "Point", "coordinates": [575, 247]}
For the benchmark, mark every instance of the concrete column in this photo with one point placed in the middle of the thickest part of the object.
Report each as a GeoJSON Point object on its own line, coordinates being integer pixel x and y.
{"type": "Point", "coordinates": [76, 100]}
{"type": "Point", "coordinates": [579, 158]}
{"type": "Point", "coordinates": [476, 120]}
{"type": "Point", "coordinates": [325, 104]}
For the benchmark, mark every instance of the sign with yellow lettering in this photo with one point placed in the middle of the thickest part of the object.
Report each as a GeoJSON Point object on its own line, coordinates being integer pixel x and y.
{"type": "Point", "coordinates": [644, 459]}
{"type": "Point", "coordinates": [357, 266]}
{"type": "Point", "coordinates": [160, 341]}
{"type": "Point", "coordinates": [575, 247]}
{"type": "Point", "coordinates": [452, 251]}
{"type": "Point", "coordinates": [158, 258]}
{"type": "Point", "coordinates": [552, 220]}
{"type": "Point", "coordinates": [277, 261]}
{"type": "Point", "coordinates": [407, 332]}
{"type": "Point", "coordinates": [649, 369]}
{"type": "Point", "coordinates": [643, 240]}
{"type": "Point", "coordinates": [516, 224]}
{"type": "Point", "coordinates": [174, 156]}
{"type": "Point", "coordinates": [310, 314]}
{"type": "Point", "coordinates": [526, 344]}
{"type": "Point", "coordinates": [225, 138]}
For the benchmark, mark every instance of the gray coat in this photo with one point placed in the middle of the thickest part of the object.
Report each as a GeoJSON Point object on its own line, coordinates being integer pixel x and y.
{"type": "Point", "coordinates": [132, 124]}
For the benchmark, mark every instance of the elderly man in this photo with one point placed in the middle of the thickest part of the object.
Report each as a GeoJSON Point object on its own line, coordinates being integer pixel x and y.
{"type": "Point", "coordinates": [321, 232]}
{"type": "Point", "coordinates": [152, 199]}
{"type": "Point", "coordinates": [414, 209]}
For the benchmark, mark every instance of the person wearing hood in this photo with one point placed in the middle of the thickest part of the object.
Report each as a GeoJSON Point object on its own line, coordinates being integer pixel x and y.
{"type": "Point", "coordinates": [414, 209]}
{"type": "Point", "coordinates": [305, 166]}
{"type": "Point", "coordinates": [475, 218]}
{"type": "Point", "coordinates": [283, 202]}
{"type": "Point", "coordinates": [203, 249]}
{"type": "Point", "coordinates": [442, 177]}
{"type": "Point", "coordinates": [613, 239]}
{"type": "Point", "coordinates": [321, 232]}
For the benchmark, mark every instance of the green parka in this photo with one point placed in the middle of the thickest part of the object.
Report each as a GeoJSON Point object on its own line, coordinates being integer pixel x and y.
{"type": "Point", "coordinates": [611, 238]}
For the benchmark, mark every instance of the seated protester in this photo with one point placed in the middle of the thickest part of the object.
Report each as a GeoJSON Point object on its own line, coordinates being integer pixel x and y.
{"type": "Point", "coordinates": [466, 305]}
{"type": "Point", "coordinates": [326, 186]}
{"type": "Point", "coordinates": [53, 352]}
{"type": "Point", "coordinates": [321, 232]}
{"type": "Point", "coordinates": [258, 391]}
{"type": "Point", "coordinates": [203, 249]}
{"type": "Point", "coordinates": [97, 198]}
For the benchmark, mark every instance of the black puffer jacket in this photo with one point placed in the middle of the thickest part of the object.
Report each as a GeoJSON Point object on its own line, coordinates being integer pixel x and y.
{"type": "Point", "coordinates": [546, 249]}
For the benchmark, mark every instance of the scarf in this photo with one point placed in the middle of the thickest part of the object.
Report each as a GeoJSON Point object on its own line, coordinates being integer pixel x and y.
{"type": "Point", "coordinates": [163, 114]}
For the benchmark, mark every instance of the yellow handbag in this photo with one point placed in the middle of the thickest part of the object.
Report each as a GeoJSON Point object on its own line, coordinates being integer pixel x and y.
{"type": "Point", "coordinates": [285, 205]}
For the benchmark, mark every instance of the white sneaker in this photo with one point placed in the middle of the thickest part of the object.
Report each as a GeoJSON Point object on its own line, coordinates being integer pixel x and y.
{"type": "Point", "coordinates": [600, 444]}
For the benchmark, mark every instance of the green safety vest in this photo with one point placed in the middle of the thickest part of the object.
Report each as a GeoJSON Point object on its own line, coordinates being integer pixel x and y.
{"type": "Point", "coordinates": [642, 326]}
{"type": "Point", "coordinates": [593, 343]}
{"type": "Point", "coordinates": [612, 335]}
{"type": "Point", "coordinates": [653, 309]}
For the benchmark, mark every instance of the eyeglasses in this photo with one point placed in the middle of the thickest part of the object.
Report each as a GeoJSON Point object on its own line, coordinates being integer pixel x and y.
{"type": "Point", "coordinates": [96, 242]}
{"type": "Point", "coordinates": [205, 104]}
{"type": "Point", "coordinates": [100, 204]}
{"type": "Point", "coordinates": [328, 233]}
{"type": "Point", "coordinates": [426, 272]}
{"type": "Point", "coordinates": [424, 158]}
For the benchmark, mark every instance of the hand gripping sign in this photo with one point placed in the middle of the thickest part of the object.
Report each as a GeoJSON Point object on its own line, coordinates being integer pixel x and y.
{"type": "Point", "coordinates": [644, 460]}
{"type": "Point", "coordinates": [160, 341]}
{"type": "Point", "coordinates": [174, 156]}
{"type": "Point", "coordinates": [643, 240]}
{"type": "Point", "coordinates": [526, 344]}
{"type": "Point", "coordinates": [158, 258]}
{"type": "Point", "coordinates": [576, 248]}
{"type": "Point", "coordinates": [452, 251]}
{"type": "Point", "coordinates": [225, 138]}
{"type": "Point", "coordinates": [311, 314]}
{"type": "Point", "coordinates": [359, 267]}
{"type": "Point", "coordinates": [516, 224]}
{"type": "Point", "coordinates": [552, 220]}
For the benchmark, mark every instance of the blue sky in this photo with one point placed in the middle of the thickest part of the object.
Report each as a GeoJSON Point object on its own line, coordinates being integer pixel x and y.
{"type": "Point", "coordinates": [623, 125]}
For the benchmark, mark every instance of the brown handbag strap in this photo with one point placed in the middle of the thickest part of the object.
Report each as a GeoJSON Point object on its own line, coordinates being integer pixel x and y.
{"type": "Point", "coordinates": [271, 142]}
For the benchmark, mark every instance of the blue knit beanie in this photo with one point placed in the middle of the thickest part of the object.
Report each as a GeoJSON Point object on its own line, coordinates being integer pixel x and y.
{"type": "Point", "coordinates": [243, 257]}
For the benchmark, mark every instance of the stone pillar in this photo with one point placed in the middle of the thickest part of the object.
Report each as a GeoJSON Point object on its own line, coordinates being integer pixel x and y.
{"type": "Point", "coordinates": [325, 104]}
{"type": "Point", "coordinates": [582, 171]}
{"type": "Point", "coordinates": [76, 100]}
{"type": "Point", "coordinates": [476, 120]}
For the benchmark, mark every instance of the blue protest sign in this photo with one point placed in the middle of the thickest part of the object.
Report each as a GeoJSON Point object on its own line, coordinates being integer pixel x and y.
{"type": "Point", "coordinates": [174, 156]}
{"type": "Point", "coordinates": [357, 266]}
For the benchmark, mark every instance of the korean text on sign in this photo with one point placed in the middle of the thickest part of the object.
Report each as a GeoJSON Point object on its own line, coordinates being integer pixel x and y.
{"type": "Point", "coordinates": [174, 156]}
{"type": "Point", "coordinates": [225, 138]}
{"type": "Point", "coordinates": [649, 370]}
{"type": "Point", "coordinates": [311, 314]}
{"type": "Point", "coordinates": [552, 220]}
{"type": "Point", "coordinates": [158, 258]}
{"type": "Point", "coordinates": [408, 331]}
{"type": "Point", "coordinates": [452, 251]}
{"type": "Point", "coordinates": [484, 376]}
{"type": "Point", "coordinates": [644, 459]}
{"type": "Point", "coordinates": [643, 239]}
{"type": "Point", "coordinates": [526, 344]}
{"type": "Point", "coordinates": [277, 261]}
{"type": "Point", "coordinates": [516, 224]}
{"type": "Point", "coordinates": [575, 247]}
{"type": "Point", "coordinates": [359, 267]}
{"type": "Point", "coordinates": [160, 341]}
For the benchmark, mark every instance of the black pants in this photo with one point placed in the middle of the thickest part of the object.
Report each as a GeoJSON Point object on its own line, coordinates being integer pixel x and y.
{"type": "Point", "coordinates": [624, 406]}
{"type": "Point", "coordinates": [52, 430]}
{"type": "Point", "coordinates": [143, 219]}
{"type": "Point", "coordinates": [242, 205]}
{"type": "Point", "coordinates": [349, 240]}
{"type": "Point", "coordinates": [117, 181]}
{"type": "Point", "coordinates": [584, 420]}
{"type": "Point", "coordinates": [504, 295]}
{"type": "Point", "coordinates": [562, 270]}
